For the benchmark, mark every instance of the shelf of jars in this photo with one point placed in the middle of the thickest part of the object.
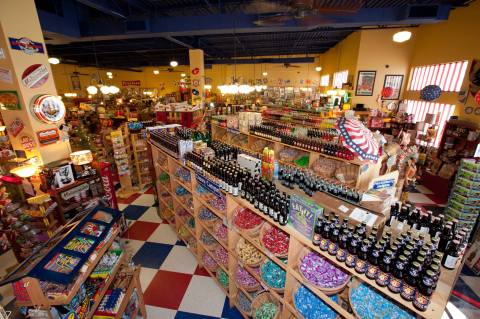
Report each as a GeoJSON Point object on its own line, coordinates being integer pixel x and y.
{"type": "Point", "coordinates": [353, 172]}
{"type": "Point", "coordinates": [255, 240]}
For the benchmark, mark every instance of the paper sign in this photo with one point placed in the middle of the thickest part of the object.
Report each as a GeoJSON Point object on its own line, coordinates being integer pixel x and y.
{"type": "Point", "coordinates": [361, 215]}
{"type": "Point", "coordinates": [343, 208]}
{"type": "Point", "coordinates": [2, 54]}
{"type": "Point", "coordinates": [6, 75]}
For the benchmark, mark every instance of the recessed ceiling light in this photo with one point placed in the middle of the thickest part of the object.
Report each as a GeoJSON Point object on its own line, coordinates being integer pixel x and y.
{"type": "Point", "coordinates": [109, 73]}
{"type": "Point", "coordinates": [318, 68]}
{"type": "Point", "coordinates": [156, 72]}
{"type": "Point", "coordinates": [183, 75]}
{"type": "Point", "coordinates": [264, 73]}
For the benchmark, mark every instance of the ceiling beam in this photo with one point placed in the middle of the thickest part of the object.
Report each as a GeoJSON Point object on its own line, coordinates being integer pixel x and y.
{"type": "Point", "coordinates": [106, 7]}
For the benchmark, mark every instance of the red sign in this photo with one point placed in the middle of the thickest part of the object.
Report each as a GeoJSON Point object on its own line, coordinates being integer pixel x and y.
{"type": "Point", "coordinates": [16, 127]}
{"type": "Point", "coordinates": [195, 71]}
{"type": "Point", "coordinates": [47, 137]}
{"type": "Point", "coordinates": [108, 187]}
{"type": "Point", "coordinates": [27, 142]}
{"type": "Point", "coordinates": [131, 83]}
{"type": "Point", "coordinates": [35, 75]}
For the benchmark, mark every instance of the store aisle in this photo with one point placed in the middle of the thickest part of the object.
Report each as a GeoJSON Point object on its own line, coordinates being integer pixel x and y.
{"type": "Point", "coordinates": [174, 285]}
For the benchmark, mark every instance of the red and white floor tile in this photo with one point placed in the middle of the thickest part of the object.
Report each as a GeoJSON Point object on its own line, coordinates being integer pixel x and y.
{"type": "Point", "coordinates": [174, 285]}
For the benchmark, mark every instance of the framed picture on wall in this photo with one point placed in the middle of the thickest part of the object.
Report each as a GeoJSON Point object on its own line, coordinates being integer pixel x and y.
{"type": "Point", "coordinates": [392, 87]}
{"type": "Point", "coordinates": [365, 83]}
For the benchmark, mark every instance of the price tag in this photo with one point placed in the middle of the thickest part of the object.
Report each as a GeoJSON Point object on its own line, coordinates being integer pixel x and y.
{"type": "Point", "coordinates": [343, 208]}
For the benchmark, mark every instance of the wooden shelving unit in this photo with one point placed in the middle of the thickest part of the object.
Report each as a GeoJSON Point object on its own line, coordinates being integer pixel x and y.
{"type": "Point", "coordinates": [141, 159]}
{"type": "Point", "coordinates": [364, 172]}
{"type": "Point", "coordinates": [297, 244]}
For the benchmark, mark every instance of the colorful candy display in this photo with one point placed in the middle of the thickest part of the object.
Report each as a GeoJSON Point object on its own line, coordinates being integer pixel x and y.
{"type": "Point", "coordinates": [222, 277]}
{"type": "Point", "coordinates": [243, 302]}
{"type": "Point", "coordinates": [207, 239]}
{"type": "Point", "coordinates": [377, 306]}
{"type": "Point", "coordinates": [312, 307]}
{"type": "Point", "coordinates": [92, 229]}
{"type": "Point", "coordinates": [244, 278]}
{"type": "Point", "coordinates": [267, 310]}
{"type": "Point", "coordinates": [62, 263]}
{"type": "Point", "coordinates": [273, 275]}
{"type": "Point", "coordinates": [246, 219]}
{"type": "Point", "coordinates": [221, 255]}
{"type": "Point", "coordinates": [248, 253]}
{"type": "Point", "coordinates": [276, 241]}
{"type": "Point", "coordinates": [209, 262]}
{"type": "Point", "coordinates": [79, 244]}
{"type": "Point", "coordinates": [220, 231]}
{"type": "Point", "coordinates": [206, 215]}
{"type": "Point", "coordinates": [191, 222]}
{"type": "Point", "coordinates": [320, 272]}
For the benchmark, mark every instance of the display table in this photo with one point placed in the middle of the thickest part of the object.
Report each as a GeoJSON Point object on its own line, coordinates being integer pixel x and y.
{"type": "Point", "coordinates": [84, 253]}
{"type": "Point", "coordinates": [180, 207]}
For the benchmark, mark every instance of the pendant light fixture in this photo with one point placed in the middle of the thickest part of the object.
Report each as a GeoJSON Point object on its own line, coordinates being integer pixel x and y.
{"type": "Point", "coordinates": [173, 63]}
{"type": "Point", "coordinates": [53, 60]}
{"type": "Point", "coordinates": [318, 68]}
{"type": "Point", "coordinates": [92, 90]}
{"type": "Point", "coordinates": [402, 36]}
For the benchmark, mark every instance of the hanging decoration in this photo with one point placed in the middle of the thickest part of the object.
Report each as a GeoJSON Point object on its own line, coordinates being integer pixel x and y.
{"type": "Point", "coordinates": [387, 92]}
{"type": "Point", "coordinates": [358, 139]}
{"type": "Point", "coordinates": [430, 93]}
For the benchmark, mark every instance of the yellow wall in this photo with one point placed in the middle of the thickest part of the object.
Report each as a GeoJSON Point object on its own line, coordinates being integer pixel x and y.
{"type": "Point", "coordinates": [219, 74]}
{"type": "Point", "coordinates": [62, 73]}
{"type": "Point", "coordinates": [453, 40]}
{"type": "Point", "coordinates": [376, 51]}
{"type": "Point", "coordinates": [341, 57]}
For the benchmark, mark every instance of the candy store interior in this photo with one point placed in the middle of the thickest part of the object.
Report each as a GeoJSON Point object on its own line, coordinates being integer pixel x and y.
{"type": "Point", "coordinates": [239, 159]}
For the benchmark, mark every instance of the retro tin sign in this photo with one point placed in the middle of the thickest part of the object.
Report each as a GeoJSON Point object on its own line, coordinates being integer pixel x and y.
{"type": "Point", "coordinates": [26, 45]}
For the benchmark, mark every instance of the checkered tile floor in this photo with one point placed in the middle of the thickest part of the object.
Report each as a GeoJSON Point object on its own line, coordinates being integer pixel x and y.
{"type": "Point", "coordinates": [174, 285]}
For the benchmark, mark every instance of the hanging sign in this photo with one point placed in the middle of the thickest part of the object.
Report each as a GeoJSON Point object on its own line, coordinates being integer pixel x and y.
{"type": "Point", "coordinates": [16, 127]}
{"type": "Point", "coordinates": [48, 108]}
{"type": "Point", "coordinates": [35, 76]}
{"type": "Point", "coordinates": [27, 142]}
{"type": "Point", "coordinates": [131, 83]}
{"type": "Point", "coordinates": [9, 100]}
{"type": "Point", "coordinates": [6, 75]}
{"type": "Point", "coordinates": [47, 137]}
{"type": "Point", "coordinates": [26, 45]}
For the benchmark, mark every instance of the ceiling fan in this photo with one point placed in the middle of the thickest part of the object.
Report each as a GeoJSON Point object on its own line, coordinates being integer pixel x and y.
{"type": "Point", "coordinates": [304, 12]}
{"type": "Point", "coordinates": [170, 70]}
{"type": "Point", "coordinates": [287, 65]}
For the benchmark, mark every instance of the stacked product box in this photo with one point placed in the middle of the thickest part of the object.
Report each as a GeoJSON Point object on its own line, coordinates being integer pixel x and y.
{"type": "Point", "coordinates": [247, 119]}
{"type": "Point", "coordinates": [464, 200]}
